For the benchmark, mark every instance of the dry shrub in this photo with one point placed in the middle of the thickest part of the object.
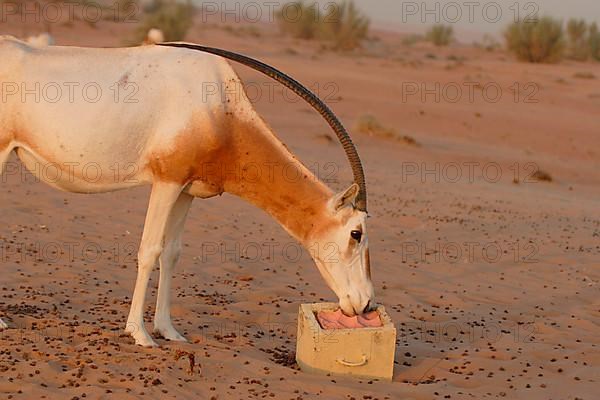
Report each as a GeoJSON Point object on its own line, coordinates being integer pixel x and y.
{"type": "Point", "coordinates": [577, 30]}
{"type": "Point", "coordinates": [440, 35]}
{"type": "Point", "coordinates": [343, 26]}
{"type": "Point", "coordinates": [594, 41]}
{"type": "Point", "coordinates": [174, 19]}
{"type": "Point", "coordinates": [584, 40]}
{"type": "Point", "coordinates": [300, 20]}
{"type": "Point", "coordinates": [537, 40]}
{"type": "Point", "coordinates": [346, 26]}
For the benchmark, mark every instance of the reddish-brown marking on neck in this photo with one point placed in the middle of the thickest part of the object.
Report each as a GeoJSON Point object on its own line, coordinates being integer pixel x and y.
{"type": "Point", "coordinates": [243, 157]}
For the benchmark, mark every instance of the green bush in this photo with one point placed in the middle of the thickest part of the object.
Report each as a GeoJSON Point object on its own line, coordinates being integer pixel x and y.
{"type": "Point", "coordinates": [578, 43]}
{"type": "Point", "coordinates": [343, 26]}
{"type": "Point", "coordinates": [538, 41]}
{"type": "Point", "coordinates": [172, 18]}
{"type": "Point", "coordinates": [440, 35]}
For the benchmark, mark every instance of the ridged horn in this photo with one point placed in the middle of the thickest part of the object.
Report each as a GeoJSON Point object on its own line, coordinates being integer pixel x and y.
{"type": "Point", "coordinates": [310, 98]}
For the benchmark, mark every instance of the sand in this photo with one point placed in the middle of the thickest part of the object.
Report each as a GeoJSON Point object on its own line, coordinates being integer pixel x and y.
{"type": "Point", "coordinates": [491, 277]}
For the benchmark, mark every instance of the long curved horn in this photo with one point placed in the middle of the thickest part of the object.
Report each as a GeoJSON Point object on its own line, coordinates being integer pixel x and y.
{"type": "Point", "coordinates": [310, 98]}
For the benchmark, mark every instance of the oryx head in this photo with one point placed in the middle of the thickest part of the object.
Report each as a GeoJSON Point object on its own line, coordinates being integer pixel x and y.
{"type": "Point", "coordinates": [340, 249]}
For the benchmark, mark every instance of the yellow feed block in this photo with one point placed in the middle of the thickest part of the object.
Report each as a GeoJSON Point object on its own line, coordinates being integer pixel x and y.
{"type": "Point", "coordinates": [362, 353]}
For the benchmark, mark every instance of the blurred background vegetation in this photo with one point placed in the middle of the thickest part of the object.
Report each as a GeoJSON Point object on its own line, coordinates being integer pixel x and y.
{"type": "Point", "coordinates": [343, 27]}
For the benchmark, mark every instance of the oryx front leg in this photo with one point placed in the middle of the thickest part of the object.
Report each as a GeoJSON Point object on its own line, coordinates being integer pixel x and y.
{"type": "Point", "coordinates": [168, 259]}
{"type": "Point", "coordinates": [162, 201]}
{"type": "Point", "coordinates": [4, 156]}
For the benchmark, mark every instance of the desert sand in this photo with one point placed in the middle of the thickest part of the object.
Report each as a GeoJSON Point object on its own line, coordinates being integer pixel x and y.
{"type": "Point", "coordinates": [491, 277]}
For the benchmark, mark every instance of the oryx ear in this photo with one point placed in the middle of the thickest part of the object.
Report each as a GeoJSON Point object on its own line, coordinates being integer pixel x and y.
{"type": "Point", "coordinates": [344, 198]}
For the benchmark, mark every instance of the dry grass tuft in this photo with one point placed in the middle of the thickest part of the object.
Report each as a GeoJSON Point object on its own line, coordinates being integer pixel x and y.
{"type": "Point", "coordinates": [537, 41]}
{"type": "Point", "coordinates": [440, 35]}
{"type": "Point", "coordinates": [542, 176]}
{"type": "Point", "coordinates": [577, 30]}
{"type": "Point", "coordinates": [369, 125]}
{"type": "Point", "coordinates": [594, 41]}
{"type": "Point", "coordinates": [342, 27]}
{"type": "Point", "coordinates": [584, 75]}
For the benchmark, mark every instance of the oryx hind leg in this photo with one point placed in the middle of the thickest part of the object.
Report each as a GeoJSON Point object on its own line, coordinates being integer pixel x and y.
{"type": "Point", "coordinates": [168, 259]}
{"type": "Point", "coordinates": [4, 155]}
{"type": "Point", "coordinates": [162, 200]}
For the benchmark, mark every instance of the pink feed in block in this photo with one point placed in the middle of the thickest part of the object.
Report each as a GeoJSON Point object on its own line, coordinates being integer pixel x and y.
{"type": "Point", "coordinates": [337, 320]}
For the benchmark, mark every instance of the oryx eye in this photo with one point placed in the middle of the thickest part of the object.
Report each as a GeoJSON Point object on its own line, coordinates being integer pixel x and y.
{"type": "Point", "coordinates": [356, 235]}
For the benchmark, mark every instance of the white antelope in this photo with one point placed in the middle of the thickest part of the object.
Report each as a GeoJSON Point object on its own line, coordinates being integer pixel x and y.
{"type": "Point", "coordinates": [183, 143]}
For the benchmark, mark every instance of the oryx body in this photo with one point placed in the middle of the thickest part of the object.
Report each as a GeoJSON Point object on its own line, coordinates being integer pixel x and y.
{"type": "Point", "coordinates": [178, 120]}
